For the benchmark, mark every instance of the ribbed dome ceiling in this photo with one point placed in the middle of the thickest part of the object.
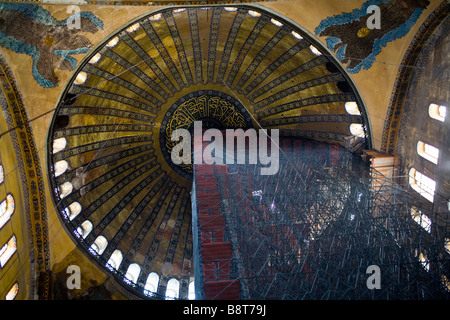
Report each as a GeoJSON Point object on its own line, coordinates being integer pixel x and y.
{"type": "Point", "coordinates": [233, 66]}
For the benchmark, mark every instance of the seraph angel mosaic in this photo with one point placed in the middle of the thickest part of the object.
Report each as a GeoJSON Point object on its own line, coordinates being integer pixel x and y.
{"type": "Point", "coordinates": [32, 30]}
{"type": "Point", "coordinates": [354, 39]}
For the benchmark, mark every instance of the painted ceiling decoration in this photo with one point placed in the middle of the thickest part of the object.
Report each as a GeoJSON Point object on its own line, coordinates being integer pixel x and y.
{"type": "Point", "coordinates": [32, 30]}
{"type": "Point", "coordinates": [108, 154]}
{"type": "Point", "coordinates": [357, 45]}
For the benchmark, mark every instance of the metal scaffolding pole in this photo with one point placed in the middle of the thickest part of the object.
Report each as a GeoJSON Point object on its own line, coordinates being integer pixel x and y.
{"type": "Point", "coordinates": [312, 230]}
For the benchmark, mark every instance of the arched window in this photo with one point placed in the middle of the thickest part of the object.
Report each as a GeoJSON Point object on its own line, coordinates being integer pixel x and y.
{"type": "Point", "coordinates": [191, 293]}
{"type": "Point", "coordinates": [80, 78]}
{"type": "Point", "coordinates": [424, 185]}
{"type": "Point", "coordinates": [2, 174]}
{"type": "Point", "coordinates": [421, 219]}
{"type": "Point", "coordinates": [99, 245]}
{"type": "Point", "coordinates": [352, 108]}
{"type": "Point", "coordinates": [7, 208]}
{"type": "Point", "coordinates": [254, 14]}
{"type": "Point", "coordinates": [357, 130]}
{"type": "Point", "coordinates": [296, 35]}
{"type": "Point", "coordinates": [428, 152]}
{"type": "Point", "coordinates": [115, 260]}
{"type": "Point", "coordinates": [59, 145]}
{"type": "Point", "coordinates": [12, 293]}
{"type": "Point", "coordinates": [437, 112]}
{"type": "Point", "coordinates": [132, 274]}
{"type": "Point", "coordinates": [156, 17]}
{"type": "Point", "coordinates": [74, 210]}
{"type": "Point", "coordinates": [315, 50]}
{"type": "Point", "coordinates": [65, 189]}
{"type": "Point", "coordinates": [61, 167]}
{"type": "Point", "coordinates": [85, 229]}
{"type": "Point", "coordinates": [113, 42]}
{"type": "Point", "coordinates": [7, 251]}
{"type": "Point", "coordinates": [276, 22]}
{"type": "Point", "coordinates": [133, 28]}
{"type": "Point", "coordinates": [95, 58]}
{"type": "Point", "coordinates": [152, 283]}
{"type": "Point", "coordinates": [180, 10]}
{"type": "Point", "coordinates": [172, 289]}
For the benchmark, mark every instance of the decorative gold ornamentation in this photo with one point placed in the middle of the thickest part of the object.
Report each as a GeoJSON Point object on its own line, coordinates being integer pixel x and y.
{"type": "Point", "coordinates": [363, 32]}
{"type": "Point", "coordinates": [215, 111]}
{"type": "Point", "coordinates": [49, 41]}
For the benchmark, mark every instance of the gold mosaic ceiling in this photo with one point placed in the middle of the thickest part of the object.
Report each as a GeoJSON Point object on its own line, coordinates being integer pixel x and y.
{"type": "Point", "coordinates": [109, 172]}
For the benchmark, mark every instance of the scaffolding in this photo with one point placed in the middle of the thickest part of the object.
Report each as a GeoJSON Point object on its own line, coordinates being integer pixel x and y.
{"type": "Point", "coordinates": [312, 230]}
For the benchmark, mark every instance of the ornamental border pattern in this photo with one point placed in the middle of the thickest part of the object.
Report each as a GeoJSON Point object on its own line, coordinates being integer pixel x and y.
{"type": "Point", "coordinates": [32, 180]}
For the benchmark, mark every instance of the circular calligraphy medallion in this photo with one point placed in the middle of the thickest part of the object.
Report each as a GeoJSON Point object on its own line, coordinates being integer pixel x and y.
{"type": "Point", "coordinates": [214, 109]}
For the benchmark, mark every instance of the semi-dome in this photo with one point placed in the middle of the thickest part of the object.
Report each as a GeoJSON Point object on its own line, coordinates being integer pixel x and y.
{"type": "Point", "coordinates": [240, 66]}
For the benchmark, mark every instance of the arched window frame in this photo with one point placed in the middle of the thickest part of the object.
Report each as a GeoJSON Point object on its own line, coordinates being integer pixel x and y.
{"type": "Point", "coordinates": [12, 293]}
{"type": "Point", "coordinates": [352, 108]}
{"type": "Point", "coordinates": [276, 23]}
{"type": "Point", "coordinates": [421, 219]}
{"type": "Point", "coordinates": [2, 174]}
{"type": "Point", "coordinates": [423, 184]}
{"type": "Point", "coordinates": [115, 260]}
{"type": "Point", "coordinates": [357, 130]}
{"type": "Point", "coordinates": [427, 151]}
{"type": "Point", "coordinates": [74, 210]}
{"type": "Point", "coordinates": [65, 189]}
{"type": "Point", "coordinates": [80, 78]}
{"type": "Point", "coordinates": [113, 42]}
{"type": "Point", "coordinates": [59, 145]}
{"type": "Point", "coordinates": [99, 245]}
{"type": "Point", "coordinates": [152, 283]}
{"type": "Point", "coordinates": [172, 289]}
{"type": "Point", "coordinates": [95, 58]}
{"type": "Point", "coordinates": [84, 229]}
{"type": "Point", "coordinates": [60, 167]}
{"type": "Point", "coordinates": [132, 275]}
{"type": "Point", "coordinates": [437, 112]}
{"type": "Point", "coordinates": [314, 50]}
{"type": "Point", "coordinates": [254, 14]}
{"type": "Point", "coordinates": [133, 27]}
{"type": "Point", "coordinates": [7, 208]}
{"type": "Point", "coordinates": [7, 251]}
{"type": "Point", "coordinates": [191, 291]}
